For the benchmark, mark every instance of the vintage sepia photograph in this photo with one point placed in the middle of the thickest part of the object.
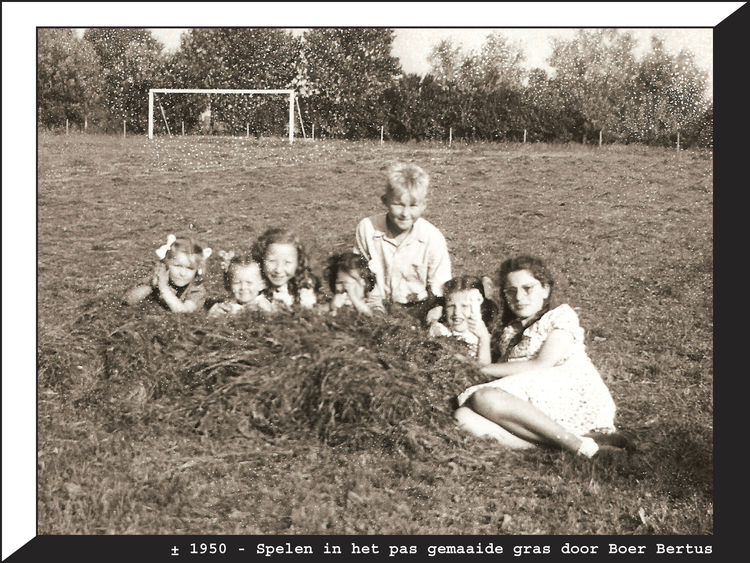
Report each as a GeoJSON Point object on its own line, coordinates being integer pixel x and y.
{"type": "Point", "coordinates": [448, 285]}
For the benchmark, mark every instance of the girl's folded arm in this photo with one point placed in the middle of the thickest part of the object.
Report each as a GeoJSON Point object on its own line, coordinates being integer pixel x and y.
{"type": "Point", "coordinates": [174, 303]}
{"type": "Point", "coordinates": [554, 349]}
{"type": "Point", "coordinates": [137, 294]}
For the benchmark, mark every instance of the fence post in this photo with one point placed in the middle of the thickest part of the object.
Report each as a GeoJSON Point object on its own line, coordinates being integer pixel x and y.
{"type": "Point", "coordinates": [66, 125]}
{"type": "Point", "coordinates": [313, 131]}
{"type": "Point", "coordinates": [524, 136]}
{"type": "Point", "coordinates": [124, 129]}
{"type": "Point", "coordinates": [381, 135]}
{"type": "Point", "coordinates": [600, 137]}
{"type": "Point", "coordinates": [248, 130]}
{"type": "Point", "coordinates": [678, 141]}
{"type": "Point", "coordinates": [183, 127]}
{"type": "Point", "coordinates": [85, 123]}
{"type": "Point", "coordinates": [450, 137]}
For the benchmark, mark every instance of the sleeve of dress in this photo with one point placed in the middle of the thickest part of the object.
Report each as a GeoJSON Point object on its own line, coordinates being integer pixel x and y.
{"type": "Point", "coordinates": [565, 318]}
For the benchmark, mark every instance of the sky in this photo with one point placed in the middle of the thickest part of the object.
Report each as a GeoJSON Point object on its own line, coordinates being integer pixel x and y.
{"type": "Point", "coordinates": [20, 20]}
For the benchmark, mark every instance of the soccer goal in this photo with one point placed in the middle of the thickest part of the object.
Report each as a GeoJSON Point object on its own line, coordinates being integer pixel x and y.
{"type": "Point", "coordinates": [153, 91]}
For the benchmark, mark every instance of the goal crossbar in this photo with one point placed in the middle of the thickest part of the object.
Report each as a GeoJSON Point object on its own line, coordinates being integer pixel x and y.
{"type": "Point", "coordinates": [153, 91]}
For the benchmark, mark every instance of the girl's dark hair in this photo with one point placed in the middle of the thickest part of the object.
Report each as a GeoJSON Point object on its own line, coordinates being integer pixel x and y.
{"type": "Point", "coordinates": [303, 277]}
{"type": "Point", "coordinates": [536, 268]}
{"type": "Point", "coordinates": [349, 262]}
{"type": "Point", "coordinates": [465, 283]}
{"type": "Point", "coordinates": [239, 260]}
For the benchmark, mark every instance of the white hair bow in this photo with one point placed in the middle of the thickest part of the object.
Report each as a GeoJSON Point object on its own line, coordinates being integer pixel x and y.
{"type": "Point", "coordinates": [161, 252]}
{"type": "Point", "coordinates": [226, 259]}
{"type": "Point", "coordinates": [206, 254]}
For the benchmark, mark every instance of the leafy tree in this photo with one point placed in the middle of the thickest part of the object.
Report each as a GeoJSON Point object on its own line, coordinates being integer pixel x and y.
{"type": "Point", "coordinates": [132, 63]}
{"type": "Point", "coordinates": [67, 78]}
{"type": "Point", "coordinates": [668, 95]}
{"type": "Point", "coordinates": [499, 64]}
{"type": "Point", "coordinates": [593, 77]}
{"type": "Point", "coordinates": [543, 121]}
{"type": "Point", "coordinates": [483, 89]}
{"type": "Point", "coordinates": [236, 58]}
{"type": "Point", "coordinates": [445, 61]}
{"type": "Point", "coordinates": [348, 73]}
{"type": "Point", "coordinates": [418, 109]}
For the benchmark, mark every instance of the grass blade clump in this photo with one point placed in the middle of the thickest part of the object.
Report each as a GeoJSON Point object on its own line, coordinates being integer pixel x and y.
{"type": "Point", "coordinates": [350, 381]}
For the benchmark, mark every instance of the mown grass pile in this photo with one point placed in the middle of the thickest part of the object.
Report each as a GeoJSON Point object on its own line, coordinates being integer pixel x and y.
{"type": "Point", "coordinates": [347, 380]}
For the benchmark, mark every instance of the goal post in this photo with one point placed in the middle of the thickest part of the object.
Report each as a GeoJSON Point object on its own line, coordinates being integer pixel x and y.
{"type": "Point", "coordinates": [153, 91]}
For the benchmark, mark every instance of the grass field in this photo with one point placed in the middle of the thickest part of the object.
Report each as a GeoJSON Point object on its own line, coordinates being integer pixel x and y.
{"type": "Point", "coordinates": [158, 424]}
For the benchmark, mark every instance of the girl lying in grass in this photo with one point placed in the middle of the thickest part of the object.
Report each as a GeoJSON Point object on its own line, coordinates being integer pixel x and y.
{"type": "Point", "coordinates": [285, 269]}
{"type": "Point", "coordinates": [244, 282]}
{"type": "Point", "coordinates": [546, 390]}
{"type": "Point", "coordinates": [465, 305]}
{"type": "Point", "coordinates": [352, 284]}
{"type": "Point", "coordinates": [176, 280]}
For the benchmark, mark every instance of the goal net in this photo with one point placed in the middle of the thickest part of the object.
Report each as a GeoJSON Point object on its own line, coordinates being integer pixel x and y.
{"type": "Point", "coordinates": [221, 110]}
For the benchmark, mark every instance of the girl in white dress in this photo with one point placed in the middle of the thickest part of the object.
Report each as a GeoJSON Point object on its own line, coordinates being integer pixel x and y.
{"type": "Point", "coordinates": [464, 301]}
{"type": "Point", "coordinates": [545, 389]}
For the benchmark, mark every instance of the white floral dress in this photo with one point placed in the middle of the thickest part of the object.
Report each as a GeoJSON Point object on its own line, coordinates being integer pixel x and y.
{"type": "Point", "coordinates": [571, 392]}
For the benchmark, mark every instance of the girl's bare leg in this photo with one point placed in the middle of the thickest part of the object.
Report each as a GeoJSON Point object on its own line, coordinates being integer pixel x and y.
{"type": "Point", "coordinates": [521, 419]}
{"type": "Point", "coordinates": [481, 427]}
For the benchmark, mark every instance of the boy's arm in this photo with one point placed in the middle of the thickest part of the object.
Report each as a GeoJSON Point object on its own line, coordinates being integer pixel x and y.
{"type": "Point", "coordinates": [439, 266]}
{"type": "Point", "coordinates": [374, 300]}
{"type": "Point", "coordinates": [438, 272]}
{"type": "Point", "coordinates": [362, 247]}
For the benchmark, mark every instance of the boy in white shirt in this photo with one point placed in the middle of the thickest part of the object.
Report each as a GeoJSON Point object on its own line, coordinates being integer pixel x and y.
{"type": "Point", "coordinates": [407, 254]}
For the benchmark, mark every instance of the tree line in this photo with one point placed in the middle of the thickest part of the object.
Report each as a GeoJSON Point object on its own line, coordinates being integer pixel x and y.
{"type": "Point", "coordinates": [349, 85]}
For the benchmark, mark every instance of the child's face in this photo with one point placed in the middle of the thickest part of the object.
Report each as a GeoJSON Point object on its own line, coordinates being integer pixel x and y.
{"type": "Point", "coordinates": [458, 310]}
{"type": "Point", "coordinates": [525, 294]}
{"type": "Point", "coordinates": [247, 283]}
{"type": "Point", "coordinates": [350, 283]}
{"type": "Point", "coordinates": [181, 269]}
{"type": "Point", "coordinates": [404, 210]}
{"type": "Point", "coordinates": [280, 264]}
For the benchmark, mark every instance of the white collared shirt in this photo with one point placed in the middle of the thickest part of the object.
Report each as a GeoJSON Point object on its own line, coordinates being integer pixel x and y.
{"type": "Point", "coordinates": [405, 270]}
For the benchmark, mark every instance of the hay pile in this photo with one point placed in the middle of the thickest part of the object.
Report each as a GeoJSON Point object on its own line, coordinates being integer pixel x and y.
{"type": "Point", "coordinates": [349, 380]}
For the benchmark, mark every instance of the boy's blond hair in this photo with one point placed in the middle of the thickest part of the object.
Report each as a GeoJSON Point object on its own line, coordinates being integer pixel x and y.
{"type": "Point", "coordinates": [407, 179]}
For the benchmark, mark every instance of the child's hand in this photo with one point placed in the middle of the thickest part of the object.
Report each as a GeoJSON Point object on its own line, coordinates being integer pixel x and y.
{"type": "Point", "coordinates": [339, 300]}
{"type": "Point", "coordinates": [476, 299]}
{"type": "Point", "coordinates": [161, 276]}
{"type": "Point", "coordinates": [155, 275]}
{"type": "Point", "coordinates": [478, 328]}
{"type": "Point", "coordinates": [437, 329]}
{"type": "Point", "coordinates": [224, 308]}
{"type": "Point", "coordinates": [434, 314]}
{"type": "Point", "coordinates": [307, 298]}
